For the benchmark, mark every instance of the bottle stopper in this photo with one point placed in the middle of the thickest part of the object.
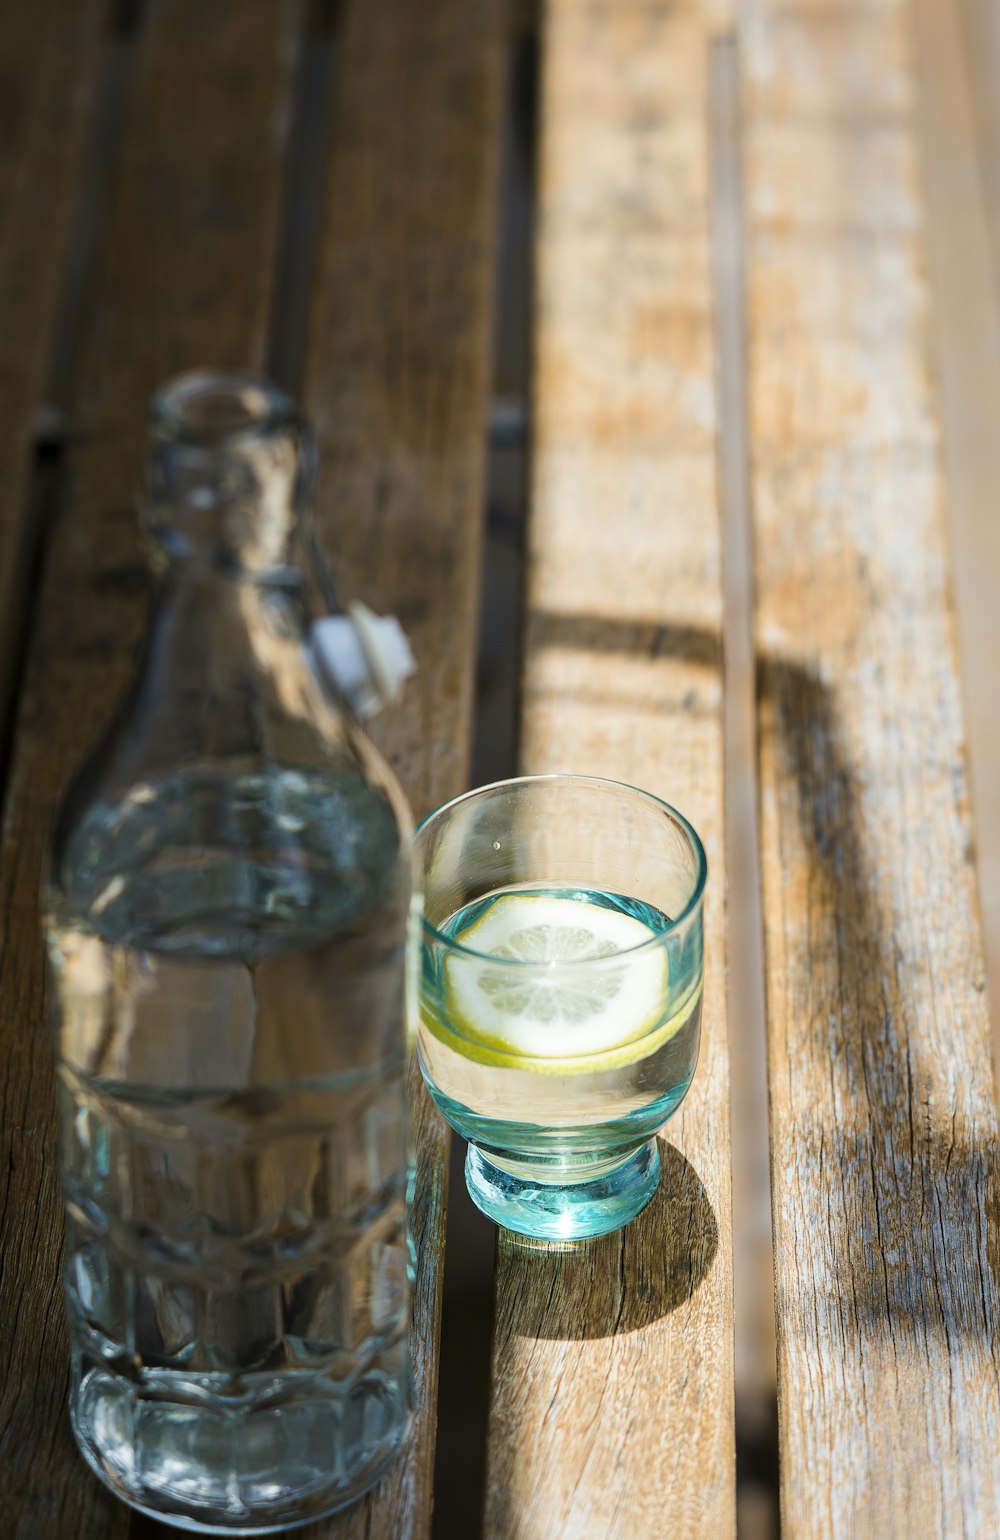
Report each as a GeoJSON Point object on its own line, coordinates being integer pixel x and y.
{"type": "Point", "coordinates": [366, 655]}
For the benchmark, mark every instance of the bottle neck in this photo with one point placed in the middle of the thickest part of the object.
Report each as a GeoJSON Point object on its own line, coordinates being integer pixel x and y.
{"type": "Point", "coordinates": [230, 470]}
{"type": "Point", "coordinates": [229, 473]}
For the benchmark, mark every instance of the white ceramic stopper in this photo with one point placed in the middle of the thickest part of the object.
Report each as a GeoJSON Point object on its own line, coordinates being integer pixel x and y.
{"type": "Point", "coordinates": [367, 656]}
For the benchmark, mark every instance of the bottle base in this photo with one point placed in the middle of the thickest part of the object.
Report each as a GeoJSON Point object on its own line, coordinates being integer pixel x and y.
{"type": "Point", "coordinates": [576, 1209]}
{"type": "Point", "coordinates": [217, 1474]}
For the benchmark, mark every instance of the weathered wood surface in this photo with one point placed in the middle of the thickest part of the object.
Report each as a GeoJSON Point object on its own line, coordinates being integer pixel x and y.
{"type": "Point", "coordinates": [181, 276]}
{"type": "Point", "coordinates": [613, 1365]}
{"type": "Point", "coordinates": [50, 61]}
{"type": "Point", "coordinates": [883, 1118]}
{"type": "Point", "coordinates": [396, 385]}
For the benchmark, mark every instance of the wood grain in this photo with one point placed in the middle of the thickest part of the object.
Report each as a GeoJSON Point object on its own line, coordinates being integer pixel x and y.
{"type": "Point", "coordinates": [50, 64]}
{"type": "Point", "coordinates": [397, 376]}
{"type": "Point", "coordinates": [613, 1360]}
{"type": "Point", "coordinates": [181, 278]}
{"type": "Point", "coordinates": [883, 1116]}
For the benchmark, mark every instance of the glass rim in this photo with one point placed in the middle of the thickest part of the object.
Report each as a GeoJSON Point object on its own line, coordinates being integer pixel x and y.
{"type": "Point", "coordinates": [266, 409]}
{"type": "Point", "coordinates": [612, 958]}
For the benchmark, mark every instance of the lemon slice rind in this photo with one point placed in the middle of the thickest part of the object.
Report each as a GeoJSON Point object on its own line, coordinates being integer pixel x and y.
{"type": "Point", "coordinates": [479, 1052]}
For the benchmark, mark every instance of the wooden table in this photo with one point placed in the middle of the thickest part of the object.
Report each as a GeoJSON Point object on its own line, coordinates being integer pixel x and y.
{"type": "Point", "coordinates": [738, 223]}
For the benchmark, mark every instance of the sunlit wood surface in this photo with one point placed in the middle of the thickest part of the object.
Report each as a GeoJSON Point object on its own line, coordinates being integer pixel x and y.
{"type": "Point", "coordinates": [766, 301]}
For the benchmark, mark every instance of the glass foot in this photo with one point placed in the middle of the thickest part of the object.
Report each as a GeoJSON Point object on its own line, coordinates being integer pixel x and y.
{"type": "Point", "coordinates": [569, 1210]}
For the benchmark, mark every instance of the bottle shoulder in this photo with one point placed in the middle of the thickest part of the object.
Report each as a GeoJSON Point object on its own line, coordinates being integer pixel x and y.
{"type": "Point", "coordinates": [233, 791]}
{"type": "Point", "coordinates": [211, 861]}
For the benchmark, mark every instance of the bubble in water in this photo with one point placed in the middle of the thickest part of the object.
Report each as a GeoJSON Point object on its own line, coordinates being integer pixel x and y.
{"type": "Point", "coordinates": [496, 844]}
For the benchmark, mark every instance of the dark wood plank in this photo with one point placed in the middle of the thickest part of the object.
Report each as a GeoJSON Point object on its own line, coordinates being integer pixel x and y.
{"type": "Point", "coordinates": [883, 1112]}
{"type": "Point", "coordinates": [182, 277]}
{"type": "Point", "coordinates": [613, 1360]}
{"type": "Point", "coordinates": [396, 384]}
{"type": "Point", "coordinates": [51, 53]}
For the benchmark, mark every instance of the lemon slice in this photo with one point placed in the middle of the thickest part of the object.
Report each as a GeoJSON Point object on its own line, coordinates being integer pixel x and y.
{"type": "Point", "coordinates": [551, 1017]}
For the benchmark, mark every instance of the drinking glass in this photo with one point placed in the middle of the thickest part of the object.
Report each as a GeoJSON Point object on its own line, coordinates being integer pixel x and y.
{"type": "Point", "coordinates": [560, 992]}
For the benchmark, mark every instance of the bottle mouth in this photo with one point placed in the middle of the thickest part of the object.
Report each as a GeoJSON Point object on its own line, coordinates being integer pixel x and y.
{"type": "Point", "coordinates": [229, 473]}
{"type": "Point", "coordinates": [215, 410]}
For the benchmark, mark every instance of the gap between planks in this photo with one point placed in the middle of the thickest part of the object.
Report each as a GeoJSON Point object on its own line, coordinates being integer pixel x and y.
{"type": "Point", "coordinates": [753, 1273]}
{"type": "Point", "coordinates": [965, 316]}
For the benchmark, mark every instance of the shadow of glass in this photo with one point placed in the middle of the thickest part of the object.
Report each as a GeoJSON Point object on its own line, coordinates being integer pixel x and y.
{"type": "Point", "coordinates": [619, 1283]}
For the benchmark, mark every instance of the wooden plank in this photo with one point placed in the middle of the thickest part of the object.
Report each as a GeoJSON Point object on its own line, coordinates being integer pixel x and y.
{"type": "Point", "coordinates": [50, 62]}
{"type": "Point", "coordinates": [396, 384]}
{"type": "Point", "coordinates": [613, 1360]}
{"type": "Point", "coordinates": [883, 1117]}
{"type": "Point", "coordinates": [182, 276]}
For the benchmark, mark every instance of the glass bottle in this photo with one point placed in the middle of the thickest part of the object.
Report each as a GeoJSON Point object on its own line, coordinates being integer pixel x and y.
{"type": "Point", "coordinates": [228, 906]}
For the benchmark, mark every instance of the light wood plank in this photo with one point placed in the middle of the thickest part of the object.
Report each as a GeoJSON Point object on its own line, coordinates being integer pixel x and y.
{"type": "Point", "coordinates": [396, 384]}
{"type": "Point", "coordinates": [613, 1361]}
{"type": "Point", "coordinates": [883, 1118]}
{"type": "Point", "coordinates": [182, 276]}
{"type": "Point", "coordinates": [50, 63]}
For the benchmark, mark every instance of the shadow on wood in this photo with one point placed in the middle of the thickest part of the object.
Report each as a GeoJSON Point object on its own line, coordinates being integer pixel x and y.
{"type": "Point", "coordinates": [892, 1205]}
{"type": "Point", "coordinates": [652, 638]}
{"type": "Point", "coordinates": [574, 1294]}
{"type": "Point", "coordinates": [889, 1199]}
